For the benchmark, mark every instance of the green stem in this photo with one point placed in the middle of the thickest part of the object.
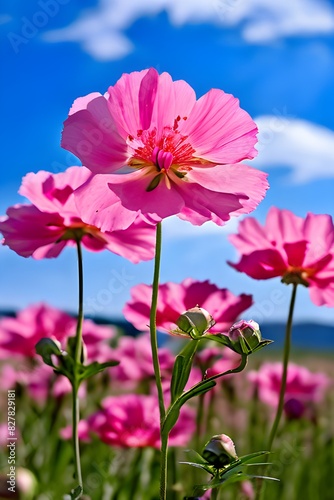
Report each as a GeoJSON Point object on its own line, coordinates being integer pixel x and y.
{"type": "Point", "coordinates": [75, 382]}
{"type": "Point", "coordinates": [199, 420]}
{"type": "Point", "coordinates": [280, 406]}
{"type": "Point", "coordinates": [153, 321]}
{"type": "Point", "coordinates": [156, 365]}
{"type": "Point", "coordinates": [214, 494]}
{"type": "Point", "coordinates": [286, 355]}
{"type": "Point", "coordinates": [163, 466]}
{"type": "Point", "coordinates": [78, 334]}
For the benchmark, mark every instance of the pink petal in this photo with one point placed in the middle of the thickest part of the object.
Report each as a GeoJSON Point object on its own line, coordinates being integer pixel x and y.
{"type": "Point", "coordinates": [147, 93]}
{"type": "Point", "coordinates": [261, 264]}
{"type": "Point", "coordinates": [132, 191]}
{"type": "Point", "coordinates": [91, 134]}
{"type": "Point", "coordinates": [27, 229]}
{"type": "Point", "coordinates": [99, 206]}
{"type": "Point", "coordinates": [135, 243]}
{"type": "Point", "coordinates": [219, 130]}
{"type": "Point", "coordinates": [52, 192]}
{"type": "Point", "coordinates": [246, 183]}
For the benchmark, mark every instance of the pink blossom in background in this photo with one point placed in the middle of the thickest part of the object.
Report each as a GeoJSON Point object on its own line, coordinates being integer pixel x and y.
{"type": "Point", "coordinates": [20, 335]}
{"type": "Point", "coordinates": [136, 364]}
{"type": "Point", "coordinates": [182, 155]}
{"type": "Point", "coordinates": [53, 221]}
{"type": "Point", "coordinates": [215, 360]}
{"type": "Point", "coordinates": [174, 299]}
{"type": "Point", "coordinates": [304, 390]}
{"type": "Point", "coordinates": [291, 247]}
{"type": "Point", "coordinates": [132, 421]}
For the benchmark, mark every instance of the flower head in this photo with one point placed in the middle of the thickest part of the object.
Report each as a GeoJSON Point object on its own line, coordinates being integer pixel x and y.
{"type": "Point", "coordinates": [299, 250]}
{"type": "Point", "coordinates": [182, 155]}
{"type": "Point", "coordinates": [304, 390]}
{"type": "Point", "coordinates": [53, 221]}
{"type": "Point", "coordinates": [175, 298]}
{"type": "Point", "coordinates": [132, 421]}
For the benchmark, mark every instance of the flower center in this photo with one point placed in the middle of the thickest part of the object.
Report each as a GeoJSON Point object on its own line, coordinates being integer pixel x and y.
{"type": "Point", "coordinates": [162, 159]}
{"type": "Point", "coordinates": [161, 151]}
{"type": "Point", "coordinates": [297, 275]}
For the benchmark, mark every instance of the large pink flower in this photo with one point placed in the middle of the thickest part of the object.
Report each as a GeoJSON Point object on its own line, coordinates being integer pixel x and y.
{"type": "Point", "coordinates": [53, 221]}
{"type": "Point", "coordinates": [304, 389]}
{"type": "Point", "coordinates": [175, 299]}
{"type": "Point", "coordinates": [299, 250]}
{"type": "Point", "coordinates": [132, 421]}
{"type": "Point", "coordinates": [182, 156]}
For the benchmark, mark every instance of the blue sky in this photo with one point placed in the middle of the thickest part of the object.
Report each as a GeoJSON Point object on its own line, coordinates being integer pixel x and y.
{"type": "Point", "coordinates": [277, 58]}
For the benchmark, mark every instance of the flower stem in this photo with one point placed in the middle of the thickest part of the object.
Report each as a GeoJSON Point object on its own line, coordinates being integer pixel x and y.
{"type": "Point", "coordinates": [286, 355]}
{"type": "Point", "coordinates": [156, 365]}
{"type": "Point", "coordinates": [75, 382]}
{"type": "Point", "coordinates": [280, 406]}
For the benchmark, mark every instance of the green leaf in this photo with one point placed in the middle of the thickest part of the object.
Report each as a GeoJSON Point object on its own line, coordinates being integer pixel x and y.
{"type": "Point", "coordinates": [76, 493]}
{"type": "Point", "coordinates": [207, 468]}
{"type": "Point", "coordinates": [94, 368]}
{"type": "Point", "coordinates": [195, 457]}
{"type": "Point", "coordinates": [220, 339]}
{"type": "Point", "coordinates": [174, 410]}
{"type": "Point", "coordinates": [182, 368]}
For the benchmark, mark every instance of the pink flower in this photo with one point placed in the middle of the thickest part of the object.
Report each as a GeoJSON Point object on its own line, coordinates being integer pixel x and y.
{"type": "Point", "coordinates": [304, 389]}
{"type": "Point", "coordinates": [43, 229]}
{"type": "Point", "coordinates": [136, 365]}
{"type": "Point", "coordinates": [214, 360]}
{"type": "Point", "coordinates": [20, 335]}
{"type": "Point", "coordinates": [182, 156]}
{"type": "Point", "coordinates": [133, 421]}
{"type": "Point", "coordinates": [175, 298]}
{"type": "Point", "coordinates": [299, 250]}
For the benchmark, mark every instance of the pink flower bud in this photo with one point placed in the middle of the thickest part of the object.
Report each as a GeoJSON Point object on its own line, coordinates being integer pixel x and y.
{"type": "Point", "coordinates": [220, 451]}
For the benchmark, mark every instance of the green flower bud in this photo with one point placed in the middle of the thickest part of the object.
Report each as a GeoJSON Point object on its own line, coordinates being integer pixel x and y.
{"type": "Point", "coordinates": [219, 451]}
{"type": "Point", "coordinates": [195, 322]}
{"type": "Point", "coordinates": [245, 336]}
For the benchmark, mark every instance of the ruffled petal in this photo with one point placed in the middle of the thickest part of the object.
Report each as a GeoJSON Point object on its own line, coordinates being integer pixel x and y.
{"type": "Point", "coordinates": [99, 206]}
{"type": "Point", "coordinates": [261, 264]}
{"type": "Point", "coordinates": [26, 229]}
{"type": "Point", "coordinates": [161, 202]}
{"type": "Point", "coordinates": [91, 133]}
{"type": "Point", "coordinates": [219, 130]}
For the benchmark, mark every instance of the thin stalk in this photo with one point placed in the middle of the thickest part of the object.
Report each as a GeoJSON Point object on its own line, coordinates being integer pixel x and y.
{"type": "Point", "coordinates": [156, 364]}
{"type": "Point", "coordinates": [214, 494]}
{"type": "Point", "coordinates": [75, 382]}
{"type": "Point", "coordinates": [280, 406]}
{"type": "Point", "coordinates": [153, 321]}
{"type": "Point", "coordinates": [286, 355]}
{"type": "Point", "coordinates": [163, 466]}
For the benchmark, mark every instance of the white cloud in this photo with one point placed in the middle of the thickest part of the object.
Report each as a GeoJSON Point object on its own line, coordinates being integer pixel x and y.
{"type": "Point", "coordinates": [306, 148]}
{"type": "Point", "coordinates": [100, 30]}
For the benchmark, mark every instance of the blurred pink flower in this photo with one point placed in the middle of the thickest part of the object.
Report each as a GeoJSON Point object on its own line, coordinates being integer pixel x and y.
{"type": "Point", "coordinates": [20, 335]}
{"type": "Point", "coordinates": [43, 229]}
{"type": "Point", "coordinates": [175, 298]}
{"type": "Point", "coordinates": [182, 156]}
{"type": "Point", "coordinates": [132, 421]}
{"type": "Point", "coordinates": [215, 360]}
{"type": "Point", "coordinates": [304, 388]}
{"type": "Point", "coordinates": [136, 365]}
{"type": "Point", "coordinates": [297, 249]}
